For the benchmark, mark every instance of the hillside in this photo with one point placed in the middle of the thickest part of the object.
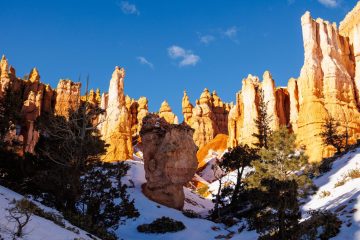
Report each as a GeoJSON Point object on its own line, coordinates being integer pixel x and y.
{"type": "Point", "coordinates": [38, 228]}
{"type": "Point", "coordinates": [341, 199]}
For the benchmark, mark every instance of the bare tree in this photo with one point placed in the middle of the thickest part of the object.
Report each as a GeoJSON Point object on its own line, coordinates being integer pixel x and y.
{"type": "Point", "coordinates": [20, 214]}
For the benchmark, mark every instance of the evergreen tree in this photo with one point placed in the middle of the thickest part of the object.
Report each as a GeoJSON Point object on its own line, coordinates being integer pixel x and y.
{"type": "Point", "coordinates": [280, 161]}
{"type": "Point", "coordinates": [229, 197]}
{"type": "Point", "coordinates": [262, 123]}
{"type": "Point", "coordinates": [66, 146]}
{"type": "Point", "coordinates": [331, 135]}
{"type": "Point", "coordinates": [10, 107]}
{"type": "Point", "coordinates": [104, 202]}
{"type": "Point", "coordinates": [277, 212]}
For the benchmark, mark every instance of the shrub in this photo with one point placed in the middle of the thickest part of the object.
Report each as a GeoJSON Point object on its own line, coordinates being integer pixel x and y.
{"type": "Point", "coordinates": [351, 174]}
{"type": "Point", "coordinates": [354, 173]}
{"type": "Point", "coordinates": [190, 214]}
{"type": "Point", "coordinates": [321, 225]}
{"type": "Point", "coordinates": [203, 191]}
{"type": "Point", "coordinates": [340, 182]}
{"type": "Point", "coordinates": [324, 194]}
{"type": "Point", "coordinates": [162, 225]}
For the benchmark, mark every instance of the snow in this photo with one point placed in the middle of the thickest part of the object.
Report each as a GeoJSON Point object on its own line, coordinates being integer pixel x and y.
{"type": "Point", "coordinates": [343, 200]}
{"type": "Point", "coordinates": [199, 229]}
{"type": "Point", "coordinates": [38, 228]}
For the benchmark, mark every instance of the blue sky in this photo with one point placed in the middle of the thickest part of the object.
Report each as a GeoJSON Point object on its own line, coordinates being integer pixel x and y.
{"type": "Point", "coordinates": [165, 46]}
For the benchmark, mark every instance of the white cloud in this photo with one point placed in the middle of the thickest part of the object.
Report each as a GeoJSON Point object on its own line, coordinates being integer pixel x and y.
{"type": "Point", "coordinates": [206, 39]}
{"type": "Point", "coordinates": [144, 61]}
{"type": "Point", "coordinates": [129, 8]}
{"type": "Point", "coordinates": [231, 32]}
{"type": "Point", "coordinates": [330, 3]}
{"type": "Point", "coordinates": [186, 57]}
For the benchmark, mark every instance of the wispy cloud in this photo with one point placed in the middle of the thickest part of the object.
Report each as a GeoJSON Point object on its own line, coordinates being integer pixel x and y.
{"type": "Point", "coordinates": [330, 3]}
{"type": "Point", "coordinates": [129, 8]}
{"type": "Point", "coordinates": [187, 57]}
{"type": "Point", "coordinates": [144, 61]}
{"type": "Point", "coordinates": [206, 39]}
{"type": "Point", "coordinates": [231, 32]}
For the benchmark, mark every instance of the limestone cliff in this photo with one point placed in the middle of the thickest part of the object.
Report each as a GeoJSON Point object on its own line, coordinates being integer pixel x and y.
{"type": "Point", "coordinates": [38, 98]}
{"type": "Point", "coordinates": [241, 122]}
{"type": "Point", "coordinates": [166, 113]}
{"type": "Point", "coordinates": [116, 123]}
{"type": "Point", "coordinates": [208, 118]}
{"type": "Point", "coordinates": [67, 97]}
{"type": "Point", "coordinates": [138, 109]}
{"type": "Point", "coordinates": [326, 86]}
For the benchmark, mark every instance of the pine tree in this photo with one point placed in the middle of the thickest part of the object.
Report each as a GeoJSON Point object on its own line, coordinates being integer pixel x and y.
{"type": "Point", "coordinates": [104, 202]}
{"type": "Point", "coordinates": [331, 135]}
{"type": "Point", "coordinates": [280, 161]}
{"type": "Point", "coordinates": [66, 146]}
{"type": "Point", "coordinates": [262, 123]}
{"type": "Point", "coordinates": [236, 159]}
{"type": "Point", "coordinates": [10, 106]}
{"type": "Point", "coordinates": [277, 212]}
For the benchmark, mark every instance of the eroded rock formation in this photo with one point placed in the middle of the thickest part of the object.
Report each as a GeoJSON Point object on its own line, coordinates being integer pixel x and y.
{"type": "Point", "coordinates": [169, 160]}
{"type": "Point", "coordinates": [37, 98]}
{"type": "Point", "coordinates": [67, 97]}
{"type": "Point", "coordinates": [208, 118]}
{"type": "Point", "coordinates": [326, 86]}
{"type": "Point", "coordinates": [241, 122]}
{"type": "Point", "coordinates": [166, 113]}
{"type": "Point", "coordinates": [138, 109]}
{"type": "Point", "coordinates": [116, 122]}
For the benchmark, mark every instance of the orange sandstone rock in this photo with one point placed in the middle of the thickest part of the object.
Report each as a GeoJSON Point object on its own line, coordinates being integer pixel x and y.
{"type": "Point", "coordinates": [169, 160]}
{"type": "Point", "coordinates": [208, 118]}
{"type": "Point", "coordinates": [116, 123]}
{"type": "Point", "coordinates": [67, 97]}
{"type": "Point", "coordinates": [166, 113]}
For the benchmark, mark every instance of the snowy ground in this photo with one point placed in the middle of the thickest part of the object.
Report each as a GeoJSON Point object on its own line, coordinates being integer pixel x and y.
{"type": "Point", "coordinates": [198, 229]}
{"type": "Point", "coordinates": [38, 228]}
{"type": "Point", "coordinates": [343, 200]}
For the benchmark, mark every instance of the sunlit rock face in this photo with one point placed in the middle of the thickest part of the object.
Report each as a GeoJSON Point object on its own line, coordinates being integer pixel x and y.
{"type": "Point", "coordinates": [67, 97]}
{"type": "Point", "coordinates": [166, 113]}
{"type": "Point", "coordinates": [115, 125]}
{"type": "Point", "coordinates": [350, 29]}
{"type": "Point", "coordinates": [326, 86]}
{"type": "Point", "coordinates": [241, 124]}
{"type": "Point", "coordinates": [138, 109]}
{"type": "Point", "coordinates": [169, 160]}
{"type": "Point", "coordinates": [208, 118]}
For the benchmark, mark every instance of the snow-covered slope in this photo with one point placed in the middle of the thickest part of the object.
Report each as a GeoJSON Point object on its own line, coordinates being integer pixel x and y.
{"type": "Point", "coordinates": [343, 200]}
{"type": "Point", "coordinates": [38, 228]}
{"type": "Point", "coordinates": [198, 229]}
